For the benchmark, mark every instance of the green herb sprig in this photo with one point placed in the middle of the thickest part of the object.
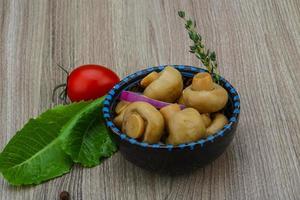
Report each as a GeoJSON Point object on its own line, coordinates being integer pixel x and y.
{"type": "Point", "coordinates": [207, 57]}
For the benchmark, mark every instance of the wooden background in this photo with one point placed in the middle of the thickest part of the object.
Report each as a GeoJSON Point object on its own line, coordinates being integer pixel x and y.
{"type": "Point", "coordinates": [258, 49]}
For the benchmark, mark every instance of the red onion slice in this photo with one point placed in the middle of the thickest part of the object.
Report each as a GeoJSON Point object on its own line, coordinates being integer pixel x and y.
{"type": "Point", "coordinates": [132, 97]}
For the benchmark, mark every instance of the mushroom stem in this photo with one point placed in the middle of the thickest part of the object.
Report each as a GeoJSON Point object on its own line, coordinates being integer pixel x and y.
{"type": "Point", "coordinates": [134, 126]}
{"type": "Point", "coordinates": [149, 79]}
{"type": "Point", "coordinates": [202, 81]}
{"type": "Point", "coordinates": [217, 124]}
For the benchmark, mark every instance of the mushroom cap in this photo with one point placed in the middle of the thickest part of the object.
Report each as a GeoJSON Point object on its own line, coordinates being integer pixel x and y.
{"type": "Point", "coordinates": [167, 87]}
{"type": "Point", "coordinates": [185, 126]}
{"type": "Point", "coordinates": [121, 106]}
{"type": "Point", "coordinates": [153, 120]}
{"type": "Point", "coordinates": [217, 124]}
{"type": "Point", "coordinates": [206, 119]}
{"type": "Point", "coordinates": [180, 100]}
{"type": "Point", "coordinates": [206, 101]}
{"type": "Point", "coordinates": [168, 111]}
{"type": "Point", "coordinates": [118, 120]}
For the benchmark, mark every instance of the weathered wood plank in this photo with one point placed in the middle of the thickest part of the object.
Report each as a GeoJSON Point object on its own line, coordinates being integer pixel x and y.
{"type": "Point", "coordinates": [258, 48]}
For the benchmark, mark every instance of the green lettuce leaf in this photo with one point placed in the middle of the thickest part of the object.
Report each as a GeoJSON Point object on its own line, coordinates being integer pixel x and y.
{"type": "Point", "coordinates": [48, 146]}
{"type": "Point", "coordinates": [87, 140]}
{"type": "Point", "coordinates": [35, 153]}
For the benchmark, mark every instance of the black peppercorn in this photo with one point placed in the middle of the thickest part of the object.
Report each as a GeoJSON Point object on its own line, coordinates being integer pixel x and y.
{"type": "Point", "coordinates": [64, 195]}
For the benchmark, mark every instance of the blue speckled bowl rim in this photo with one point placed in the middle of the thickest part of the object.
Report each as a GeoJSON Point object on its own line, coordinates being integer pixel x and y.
{"type": "Point", "coordinates": [114, 92]}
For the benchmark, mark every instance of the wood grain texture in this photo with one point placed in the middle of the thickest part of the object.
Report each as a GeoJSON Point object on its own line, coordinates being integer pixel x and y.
{"type": "Point", "coordinates": [258, 48]}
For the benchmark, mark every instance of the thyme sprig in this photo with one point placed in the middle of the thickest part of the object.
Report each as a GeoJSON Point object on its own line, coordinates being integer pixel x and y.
{"type": "Point", "coordinates": [207, 57]}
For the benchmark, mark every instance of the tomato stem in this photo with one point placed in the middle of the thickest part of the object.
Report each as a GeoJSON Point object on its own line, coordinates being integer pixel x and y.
{"type": "Point", "coordinates": [64, 91]}
{"type": "Point", "coordinates": [62, 68]}
{"type": "Point", "coordinates": [63, 94]}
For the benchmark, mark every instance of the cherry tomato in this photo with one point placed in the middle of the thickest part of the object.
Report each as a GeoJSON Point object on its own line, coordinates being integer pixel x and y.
{"type": "Point", "coordinates": [90, 82]}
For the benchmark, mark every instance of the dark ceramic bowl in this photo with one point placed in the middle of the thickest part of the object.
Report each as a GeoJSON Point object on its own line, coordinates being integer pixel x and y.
{"type": "Point", "coordinates": [164, 157]}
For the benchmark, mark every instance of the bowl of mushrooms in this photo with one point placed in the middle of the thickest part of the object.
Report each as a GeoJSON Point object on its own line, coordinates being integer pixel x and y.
{"type": "Point", "coordinates": [173, 118]}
